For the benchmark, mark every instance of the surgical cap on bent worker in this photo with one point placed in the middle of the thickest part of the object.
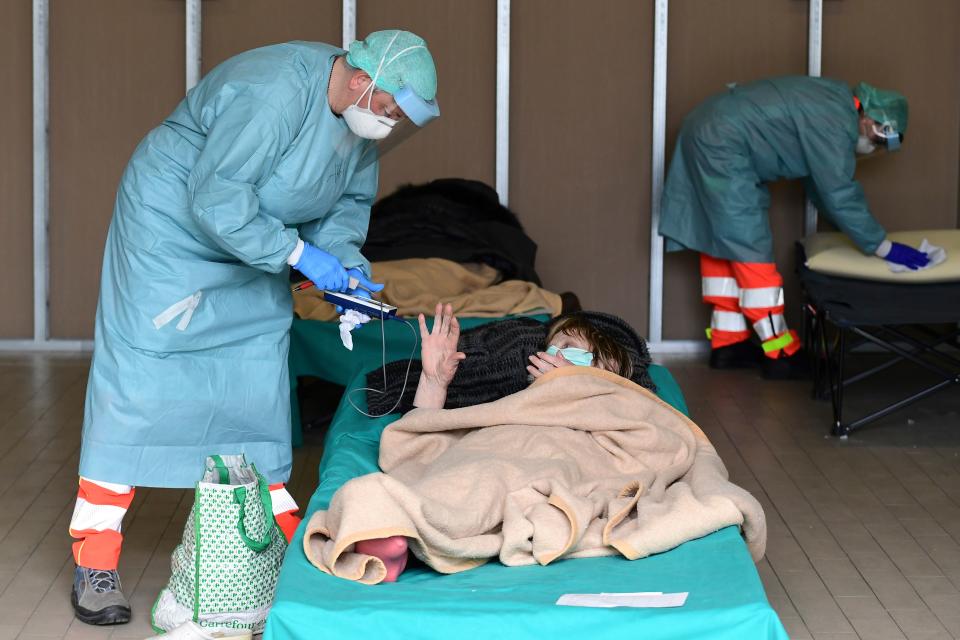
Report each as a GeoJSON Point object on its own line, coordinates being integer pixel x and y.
{"type": "Point", "coordinates": [888, 108]}
{"type": "Point", "coordinates": [402, 66]}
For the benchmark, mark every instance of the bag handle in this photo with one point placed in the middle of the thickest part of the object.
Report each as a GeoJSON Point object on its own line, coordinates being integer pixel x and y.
{"type": "Point", "coordinates": [221, 468]}
{"type": "Point", "coordinates": [240, 496]}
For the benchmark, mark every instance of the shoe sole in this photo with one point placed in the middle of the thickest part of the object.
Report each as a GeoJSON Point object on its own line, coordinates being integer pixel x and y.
{"type": "Point", "coordinates": [113, 614]}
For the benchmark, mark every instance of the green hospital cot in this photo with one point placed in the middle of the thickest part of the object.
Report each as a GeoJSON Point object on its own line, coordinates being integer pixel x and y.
{"type": "Point", "coordinates": [726, 598]}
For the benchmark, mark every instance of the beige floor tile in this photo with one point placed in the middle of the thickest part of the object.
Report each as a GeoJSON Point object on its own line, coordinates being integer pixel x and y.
{"type": "Point", "coordinates": [917, 566]}
{"type": "Point", "coordinates": [899, 595]}
{"type": "Point", "coordinates": [919, 624]}
{"type": "Point", "coordinates": [952, 624]}
{"type": "Point", "coordinates": [864, 535]}
{"type": "Point", "coordinates": [879, 627]}
{"type": "Point", "coordinates": [820, 612]}
{"type": "Point", "coordinates": [795, 628]}
{"type": "Point", "coordinates": [80, 631]}
{"type": "Point", "coordinates": [841, 577]}
{"type": "Point", "coordinates": [860, 606]}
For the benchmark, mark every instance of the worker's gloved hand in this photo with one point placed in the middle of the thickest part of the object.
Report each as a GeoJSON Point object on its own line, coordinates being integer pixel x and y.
{"type": "Point", "coordinates": [324, 270]}
{"type": "Point", "coordinates": [907, 256]}
{"type": "Point", "coordinates": [359, 291]}
{"type": "Point", "coordinates": [365, 286]}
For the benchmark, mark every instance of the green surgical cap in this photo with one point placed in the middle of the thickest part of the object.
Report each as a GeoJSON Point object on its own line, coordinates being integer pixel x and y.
{"type": "Point", "coordinates": [413, 67]}
{"type": "Point", "coordinates": [883, 105]}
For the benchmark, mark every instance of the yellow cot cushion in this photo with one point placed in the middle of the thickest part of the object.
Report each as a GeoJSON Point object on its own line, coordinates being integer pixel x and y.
{"type": "Point", "coordinates": [833, 253]}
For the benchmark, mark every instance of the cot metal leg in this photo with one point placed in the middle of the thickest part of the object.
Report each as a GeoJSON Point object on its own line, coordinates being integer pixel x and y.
{"type": "Point", "coordinates": [811, 337]}
{"type": "Point", "coordinates": [903, 353]}
{"type": "Point", "coordinates": [929, 348]}
{"type": "Point", "coordinates": [919, 348]}
{"type": "Point", "coordinates": [838, 394]}
{"type": "Point", "coordinates": [834, 363]}
{"type": "Point", "coordinates": [949, 378]}
{"type": "Point", "coordinates": [876, 415]}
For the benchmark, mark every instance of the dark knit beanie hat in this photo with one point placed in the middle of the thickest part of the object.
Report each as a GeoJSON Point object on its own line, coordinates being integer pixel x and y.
{"type": "Point", "coordinates": [496, 362]}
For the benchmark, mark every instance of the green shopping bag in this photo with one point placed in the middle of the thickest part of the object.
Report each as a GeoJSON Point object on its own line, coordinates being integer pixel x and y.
{"type": "Point", "coordinates": [225, 570]}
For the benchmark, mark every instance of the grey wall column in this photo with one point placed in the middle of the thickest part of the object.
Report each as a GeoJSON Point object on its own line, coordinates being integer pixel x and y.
{"type": "Point", "coordinates": [814, 51]}
{"type": "Point", "coordinates": [41, 169]}
{"type": "Point", "coordinates": [658, 144]}
{"type": "Point", "coordinates": [502, 169]}
{"type": "Point", "coordinates": [349, 22]}
{"type": "Point", "coordinates": [194, 33]}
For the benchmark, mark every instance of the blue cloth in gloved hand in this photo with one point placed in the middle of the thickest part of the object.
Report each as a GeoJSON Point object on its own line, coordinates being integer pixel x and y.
{"type": "Point", "coordinates": [323, 269]}
{"type": "Point", "coordinates": [907, 256]}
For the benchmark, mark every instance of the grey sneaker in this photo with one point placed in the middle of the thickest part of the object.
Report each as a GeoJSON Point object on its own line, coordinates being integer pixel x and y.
{"type": "Point", "coordinates": [97, 598]}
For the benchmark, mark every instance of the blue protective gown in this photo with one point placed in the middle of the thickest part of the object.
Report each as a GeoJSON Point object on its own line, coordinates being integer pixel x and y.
{"type": "Point", "coordinates": [208, 210]}
{"type": "Point", "coordinates": [715, 200]}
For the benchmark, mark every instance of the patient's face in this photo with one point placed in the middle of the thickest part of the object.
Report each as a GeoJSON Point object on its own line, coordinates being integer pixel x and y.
{"type": "Point", "coordinates": [563, 340]}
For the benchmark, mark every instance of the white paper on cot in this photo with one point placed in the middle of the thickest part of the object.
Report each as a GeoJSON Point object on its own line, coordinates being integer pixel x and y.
{"type": "Point", "coordinates": [935, 253]}
{"type": "Point", "coordinates": [644, 600]}
{"type": "Point", "coordinates": [350, 320]}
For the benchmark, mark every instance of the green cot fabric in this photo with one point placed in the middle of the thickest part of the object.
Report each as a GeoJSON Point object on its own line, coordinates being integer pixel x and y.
{"type": "Point", "coordinates": [726, 600]}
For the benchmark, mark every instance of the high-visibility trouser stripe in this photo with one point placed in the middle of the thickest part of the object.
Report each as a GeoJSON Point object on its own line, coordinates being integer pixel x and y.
{"type": "Point", "coordinates": [780, 342]}
{"type": "Point", "coordinates": [96, 517]}
{"type": "Point", "coordinates": [761, 298]}
{"type": "Point", "coordinates": [284, 510]}
{"type": "Point", "coordinates": [96, 523]}
{"type": "Point", "coordinates": [728, 321]}
{"type": "Point", "coordinates": [715, 287]}
{"type": "Point", "coordinates": [100, 506]}
{"type": "Point", "coordinates": [281, 499]}
{"type": "Point", "coordinates": [770, 326]}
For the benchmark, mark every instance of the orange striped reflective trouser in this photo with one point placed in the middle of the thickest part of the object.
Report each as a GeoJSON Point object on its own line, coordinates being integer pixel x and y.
{"type": "Point", "coordinates": [101, 506]}
{"type": "Point", "coordinates": [743, 292]}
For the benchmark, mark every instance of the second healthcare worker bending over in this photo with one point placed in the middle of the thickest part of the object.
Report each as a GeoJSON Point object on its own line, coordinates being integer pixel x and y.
{"type": "Point", "coordinates": [268, 162]}
{"type": "Point", "coordinates": [715, 200]}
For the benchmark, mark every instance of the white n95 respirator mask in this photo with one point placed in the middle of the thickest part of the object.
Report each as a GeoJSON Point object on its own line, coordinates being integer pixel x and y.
{"type": "Point", "coordinates": [865, 145]}
{"type": "Point", "coordinates": [364, 122]}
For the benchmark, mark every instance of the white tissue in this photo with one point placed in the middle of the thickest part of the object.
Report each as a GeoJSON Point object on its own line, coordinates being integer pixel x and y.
{"type": "Point", "coordinates": [935, 253]}
{"type": "Point", "coordinates": [350, 320]}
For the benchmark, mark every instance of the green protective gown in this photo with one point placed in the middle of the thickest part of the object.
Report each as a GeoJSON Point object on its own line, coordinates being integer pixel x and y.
{"type": "Point", "coordinates": [192, 326]}
{"type": "Point", "coordinates": [715, 199]}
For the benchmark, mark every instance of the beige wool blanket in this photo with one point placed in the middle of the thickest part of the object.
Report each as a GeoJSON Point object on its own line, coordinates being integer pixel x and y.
{"type": "Point", "coordinates": [415, 285]}
{"type": "Point", "coordinates": [582, 463]}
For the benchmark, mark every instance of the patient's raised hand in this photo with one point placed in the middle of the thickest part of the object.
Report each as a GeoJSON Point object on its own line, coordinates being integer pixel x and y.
{"type": "Point", "coordinates": [542, 362]}
{"type": "Point", "coordinates": [438, 351]}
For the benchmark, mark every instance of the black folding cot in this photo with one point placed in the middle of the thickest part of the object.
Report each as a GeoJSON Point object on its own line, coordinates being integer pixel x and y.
{"type": "Point", "coordinates": [913, 323]}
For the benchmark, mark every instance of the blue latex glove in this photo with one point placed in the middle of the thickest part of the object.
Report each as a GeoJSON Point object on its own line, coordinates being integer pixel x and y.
{"type": "Point", "coordinates": [907, 256]}
{"type": "Point", "coordinates": [358, 292]}
{"type": "Point", "coordinates": [364, 282]}
{"type": "Point", "coordinates": [324, 270]}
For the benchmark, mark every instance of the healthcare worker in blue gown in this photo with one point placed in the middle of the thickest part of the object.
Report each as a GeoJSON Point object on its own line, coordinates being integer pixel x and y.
{"type": "Point", "coordinates": [716, 199]}
{"type": "Point", "coordinates": [269, 162]}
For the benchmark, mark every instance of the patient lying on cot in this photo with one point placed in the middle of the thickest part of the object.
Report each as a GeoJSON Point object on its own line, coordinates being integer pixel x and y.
{"type": "Point", "coordinates": [582, 462]}
{"type": "Point", "coordinates": [570, 342]}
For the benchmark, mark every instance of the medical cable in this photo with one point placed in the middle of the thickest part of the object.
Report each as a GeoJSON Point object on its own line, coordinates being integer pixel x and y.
{"type": "Point", "coordinates": [383, 354]}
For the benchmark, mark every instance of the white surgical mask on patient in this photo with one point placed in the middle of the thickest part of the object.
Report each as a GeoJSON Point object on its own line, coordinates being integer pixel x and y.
{"type": "Point", "coordinates": [574, 355]}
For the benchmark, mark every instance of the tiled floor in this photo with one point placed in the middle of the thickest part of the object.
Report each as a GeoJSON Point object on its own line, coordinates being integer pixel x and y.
{"type": "Point", "coordinates": [864, 533]}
